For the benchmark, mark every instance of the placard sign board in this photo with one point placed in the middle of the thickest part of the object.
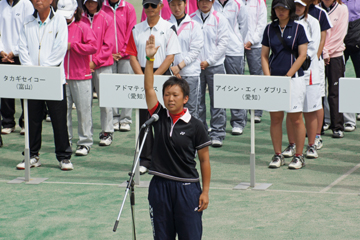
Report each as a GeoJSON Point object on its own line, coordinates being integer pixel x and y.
{"type": "Point", "coordinates": [271, 93]}
{"type": "Point", "coordinates": [349, 89]}
{"type": "Point", "coordinates": [127, 90]}
{"type": "Point", "coordinates": [31, 82]}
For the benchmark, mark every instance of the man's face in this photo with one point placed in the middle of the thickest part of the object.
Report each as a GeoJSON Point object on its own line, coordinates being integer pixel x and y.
{"type": "Point", "coordinates": [152, 12]}
{"type": "Point", "coordinates": [41, 5]}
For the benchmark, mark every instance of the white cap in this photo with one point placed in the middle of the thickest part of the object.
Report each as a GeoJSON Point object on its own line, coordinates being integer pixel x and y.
{"type": "Point", "coordinates": [67, 8]}
{"type": "Point", "coordinates": [301, 2]}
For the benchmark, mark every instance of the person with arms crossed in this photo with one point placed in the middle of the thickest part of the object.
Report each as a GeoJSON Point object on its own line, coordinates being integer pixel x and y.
{"type": "Point", "coordinates": [48, 50]}
{"type": "Point", "coordinates": [187, 63]}
{"type": "Point", "coordinates": [175, 196]}
{"type": "Point", "coordinates": [166, 38]}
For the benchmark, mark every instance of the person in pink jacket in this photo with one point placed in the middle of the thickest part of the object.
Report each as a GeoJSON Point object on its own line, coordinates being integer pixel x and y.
{"type": "Point", "coordinates": [102, 60]}
{"type": "Point", "coordinates": [124, 17]}
{"type": "Point", "coordinates": [81, 44]}
{"type": "Point", "coordinates": [334, 59]}
{"type": "Point", "coordinates": [191, 7]}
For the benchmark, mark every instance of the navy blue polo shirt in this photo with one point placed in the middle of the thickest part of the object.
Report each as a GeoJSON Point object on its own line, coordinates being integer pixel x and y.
{"type": "Point", "coordinates": [281, 60]}
{"type": "Point", "coordinates": [321, 15]}
{"type": "Point", "coordinates": [175, 146]}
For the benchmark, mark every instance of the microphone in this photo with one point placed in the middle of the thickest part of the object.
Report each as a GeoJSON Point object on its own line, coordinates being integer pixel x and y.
{"type": "Point", "coordinates": [153, 118]}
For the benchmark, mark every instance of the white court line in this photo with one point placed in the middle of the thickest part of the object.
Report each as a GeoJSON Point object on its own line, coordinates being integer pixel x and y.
{"type": "Point", "coordinates": [340, 178]}
{"type": "Point", "coordinates": [220, 188]}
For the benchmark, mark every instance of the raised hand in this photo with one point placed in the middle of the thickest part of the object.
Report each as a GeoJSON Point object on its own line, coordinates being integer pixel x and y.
{"type": "Point", "coordinates": [150, 47]}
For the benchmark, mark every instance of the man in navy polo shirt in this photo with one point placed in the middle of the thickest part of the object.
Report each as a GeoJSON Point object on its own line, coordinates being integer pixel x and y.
{"type": "Point", "coordinates": [175, 196]}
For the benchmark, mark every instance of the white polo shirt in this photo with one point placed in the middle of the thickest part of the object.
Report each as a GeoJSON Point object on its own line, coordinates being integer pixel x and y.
{"type": "Point", "coordinates": [11, 22]}
{"type": "Point", "coordinates": [165, 37]}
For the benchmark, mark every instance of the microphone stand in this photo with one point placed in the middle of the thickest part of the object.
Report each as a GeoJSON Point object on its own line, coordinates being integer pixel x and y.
{"type": "Point", "coordinates": [130, 186]}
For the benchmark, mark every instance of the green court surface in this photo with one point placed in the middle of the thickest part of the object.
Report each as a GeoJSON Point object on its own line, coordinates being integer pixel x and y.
{"type": "Point", "coordinates": [320, 201]}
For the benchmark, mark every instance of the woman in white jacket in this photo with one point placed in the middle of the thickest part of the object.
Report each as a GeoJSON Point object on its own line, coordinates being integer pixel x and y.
{"type": "Point", "coordinates": [187, 63]}
{"type": "Point", "coordinates": [216, 38]}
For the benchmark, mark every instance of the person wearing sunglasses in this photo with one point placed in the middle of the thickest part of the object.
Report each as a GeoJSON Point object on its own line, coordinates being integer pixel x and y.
{"type": "Point", "coordinates": [166, 39]}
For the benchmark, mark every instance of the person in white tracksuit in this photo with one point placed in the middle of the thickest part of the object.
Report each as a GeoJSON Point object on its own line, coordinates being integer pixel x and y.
{"type": "Point", "coordinates": [256, 23]}
{"type": "Point", "coordinates": [234, 12]}
{"type": "Point", "coordinates": [187, 63]}
{"type": "Point", "coordinates": [216, 37]}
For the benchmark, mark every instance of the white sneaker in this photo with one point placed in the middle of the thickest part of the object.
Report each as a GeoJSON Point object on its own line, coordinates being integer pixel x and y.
{"type": "Point", "coordinates": [34, 162]}
{"type": "Point", "coordinates": [257, 119]}
{"type": "Point", "coordinates": [216, 143]}
{"type": "Point", "coordinates": [66, 165]}
{"type": "Point", "coordinates": [297, 162]}
{"type": "Point", "coordinates": [22, 131]}
{"type": "Point", "coordinates": [209, 129]}
{"type": "Point", "coordinates": [318, 143]}
{"type": "Point", "coordinates": [95, 96]}
{"type": "Point", "coordinates": [277, 161]}
{"type": "Point", "coordinates": [143, 170]}
{"type": "Point", "coordinates": [349, 128]}
{"type": "Point", "coordinates": [311, 152]}
{"type": "Point", "coordinates": [116, 126]}
{"type": "Point", "coordinates": [124, 127]}
{"type": "Point", "coordinates": [105, 139]}
{"type": "Point", "coordinates": [289, 151]}
{"type": "Point", "coordinates": [48, 119]}
{"type": "Point", "coordinates": [338, 134]}
{"type": "Point", "coordinates": [358, 117]}
{"type": "Point", "coordinates": [326, 126]}
{"type": "Point", "coordinates": [236, 131]}
{"type": "Point", "coordinates": [82, 150]}
{"type": "Point", "coordinates": [73, 106]}
{"type": "Point", "coordinates": [7, 130]}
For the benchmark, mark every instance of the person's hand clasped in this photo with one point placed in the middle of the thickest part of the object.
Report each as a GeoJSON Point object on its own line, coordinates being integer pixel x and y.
{"type": "Point", "coordinates": [150, 49]}
{"type": "Point", "coordinates": [175, 70]}
{"type": "Point", "coordinates": [204, 65]}
{"type": "Point", "coordinates": [203, 201]}
{"type": "Point", "coordinates": [116, 56]}
{"type": "Point", "coordinates": [248, 45]}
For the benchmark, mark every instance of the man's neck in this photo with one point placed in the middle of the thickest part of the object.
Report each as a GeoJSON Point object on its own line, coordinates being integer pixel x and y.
{"type": "Point", "coordinates": [10, 2]}
{"type": "Point", "coordinates": [152, 21]}
{"type": "Point", "coordinates": [44, 14]}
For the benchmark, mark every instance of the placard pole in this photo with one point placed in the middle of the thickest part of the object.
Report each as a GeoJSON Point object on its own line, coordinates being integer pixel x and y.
{"type": "Point", "coordinates": [137, 172]}
{"type": "Point", "coordinates": [27, 149]}
{"type": "Point", "coordinates": [252, 152]}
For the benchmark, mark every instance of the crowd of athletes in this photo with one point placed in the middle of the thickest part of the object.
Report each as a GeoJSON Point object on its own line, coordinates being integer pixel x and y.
{"type": "Point", "coordinates": [197, 39]}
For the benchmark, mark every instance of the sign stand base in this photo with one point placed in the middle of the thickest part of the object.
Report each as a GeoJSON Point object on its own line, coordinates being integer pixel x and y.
{"type": "Point", "coordinates": [258, 186]}
{"type": "Point", "coordinates": [31, 180]}
{"type": "Point", "coordinates": [142, 184]}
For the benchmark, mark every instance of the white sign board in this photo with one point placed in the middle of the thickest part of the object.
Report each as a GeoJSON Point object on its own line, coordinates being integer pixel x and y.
{"type": "Point", "coordinates": [349, 89]}
{"type": "Point", "coordinates": [31, 82]}
{"type": "Point", "coordinates": [270, 93]}
{"type": "Point", "coordinates": [127, 90]}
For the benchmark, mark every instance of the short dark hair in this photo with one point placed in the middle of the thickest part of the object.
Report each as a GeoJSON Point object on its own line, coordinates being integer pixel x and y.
{"type": "Point", "coordinates": [100, 3]}
{"type": "Point", "coordinates": [182, 83]}
{"type": "Point", "coordinates": [78, 14]}
{"type": "Point", "coordinates": [292, 14]}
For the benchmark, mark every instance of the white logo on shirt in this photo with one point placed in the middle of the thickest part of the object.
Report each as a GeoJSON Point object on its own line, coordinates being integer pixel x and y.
{"type": "Point", "coordinates": [289, 37]}
{"type": "Point", "coordinates": [182, 133]}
